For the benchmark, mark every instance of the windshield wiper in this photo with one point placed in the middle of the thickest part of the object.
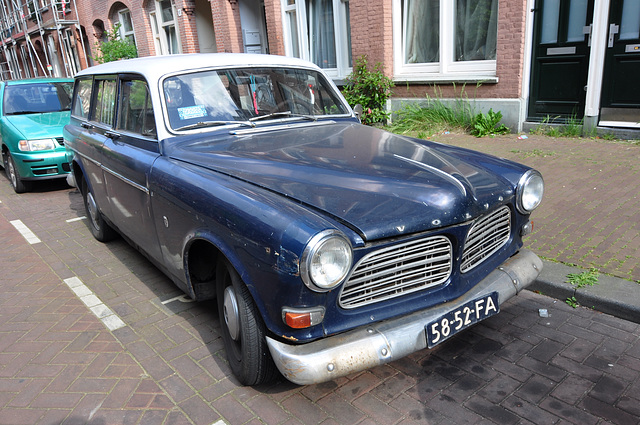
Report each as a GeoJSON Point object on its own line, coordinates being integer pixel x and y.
{"type": "Point", "coordinates": [282, 114]}
{"type": "Point", "coordinates": [203, 124]}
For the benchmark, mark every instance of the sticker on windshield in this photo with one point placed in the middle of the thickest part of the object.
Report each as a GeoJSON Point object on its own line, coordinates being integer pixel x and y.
{"type": "Point", "coordinates": [189, 112]}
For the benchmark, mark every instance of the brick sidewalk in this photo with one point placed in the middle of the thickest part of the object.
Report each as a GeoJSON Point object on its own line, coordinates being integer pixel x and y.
{"type": "Point", "coordinates": [590, 215]}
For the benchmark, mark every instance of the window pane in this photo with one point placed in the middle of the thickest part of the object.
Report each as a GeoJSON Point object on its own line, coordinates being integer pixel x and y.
{"type": "Point", "coordinates": [105, 101]}
{"type": "Point", "coordinates": [136, 113]}
{"type": "Point", "coordinates": [82, 98]}
{"type": "Point", "coordinates": [550, 19]}
{"type": "Point", "coordinates": [172, 39]}
{"type": "Point", "coordinates": [421, 29]}
{"type": "Point", "coordinates": [476, 29]}
{"type": "Point", "coordinates": [577, 20]}
{"type": "Point", "coordinates": [630, 25]}
{"type": "Point", "coordinates": [293, 26]}
{"type": "Point", "coordinates": [322, 39]}
{"type": "Point", "coordinates": [125, 20]}
{"type": "Point", "coordinates": [167, 12]}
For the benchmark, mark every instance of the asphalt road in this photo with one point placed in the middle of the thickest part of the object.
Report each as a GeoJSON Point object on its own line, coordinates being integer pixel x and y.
{"type": "Point", "coordinates": [93, 333]}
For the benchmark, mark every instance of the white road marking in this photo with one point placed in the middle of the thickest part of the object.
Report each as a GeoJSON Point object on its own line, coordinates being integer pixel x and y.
{"type": "Point", "coordinates": [71, 220]}
{"type": "Point", "coordinates": [97, 307]}
{"type": "Point", "coordinates": [25, 232]}
{"type": "Point", "coordinates": [181, 298]}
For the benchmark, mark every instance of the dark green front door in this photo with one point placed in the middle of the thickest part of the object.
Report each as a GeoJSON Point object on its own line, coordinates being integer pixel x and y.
{"type": "Point", "coordinates": [560, 59]}
{"type": "Point", "coordinates": [620, 101]}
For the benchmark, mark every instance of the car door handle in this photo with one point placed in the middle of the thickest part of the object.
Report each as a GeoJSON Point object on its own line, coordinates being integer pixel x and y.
{"type": "Point", "coordinates": [111, 134]}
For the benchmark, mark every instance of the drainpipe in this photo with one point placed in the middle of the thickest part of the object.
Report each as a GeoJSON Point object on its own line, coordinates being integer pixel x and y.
{"type": "Point", "coordinates": [596, 65]}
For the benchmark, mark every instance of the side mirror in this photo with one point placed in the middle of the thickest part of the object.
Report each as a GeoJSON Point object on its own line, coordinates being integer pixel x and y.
{"type": "Point", "coordinates": [358, 111]}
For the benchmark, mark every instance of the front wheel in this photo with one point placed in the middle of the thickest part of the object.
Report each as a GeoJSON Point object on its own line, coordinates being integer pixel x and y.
{"type": "Point", "coordinates": [99, 228]}
{"type": "Point", "coordinates": [243, 331]}
{"type": "Point", "coordinates": [19, 186]}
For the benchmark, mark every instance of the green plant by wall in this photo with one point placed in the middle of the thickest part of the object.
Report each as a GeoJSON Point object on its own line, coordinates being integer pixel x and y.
{"type": "Point", "coordinates": [115, 48]}
{"type": "Point", "coordinates": [369, 88]}
{"type": "Point", "coordinates": [488, 124]}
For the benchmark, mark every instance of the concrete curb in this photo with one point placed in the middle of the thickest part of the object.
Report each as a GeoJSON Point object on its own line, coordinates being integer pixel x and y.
{"type": "Point", "coordinates": [611, 295]}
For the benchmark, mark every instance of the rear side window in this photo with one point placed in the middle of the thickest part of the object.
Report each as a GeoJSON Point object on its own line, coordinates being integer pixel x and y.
{"type": "Point", "coordinates": [82, 98]}
{"type": "Point", "coordinates": [136, 111]}
{"type": "Point", "coordinates": [104, 105]}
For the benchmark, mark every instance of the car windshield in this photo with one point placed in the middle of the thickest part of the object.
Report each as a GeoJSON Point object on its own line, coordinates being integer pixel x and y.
{"type": "Point", "coordinates": [248, 95]}
{"type": "Point", "coordinates": [37, 98]}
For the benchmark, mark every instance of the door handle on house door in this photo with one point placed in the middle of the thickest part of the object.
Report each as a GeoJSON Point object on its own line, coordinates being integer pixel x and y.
{"type": "Point", "coordinates": [613, 30]}
{"type": "Point", "coordinates": [587, 30]}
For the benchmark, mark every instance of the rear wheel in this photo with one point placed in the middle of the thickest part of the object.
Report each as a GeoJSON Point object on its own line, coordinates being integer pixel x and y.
{"type": "Point", "coordinates": [243, 331]}
{"type": "Point", "coordinates": [19, 186]}
{"type": "Point", "coordinates": [99, 228]}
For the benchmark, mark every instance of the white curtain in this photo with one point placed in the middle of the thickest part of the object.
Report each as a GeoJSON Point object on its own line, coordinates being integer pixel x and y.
{"type": "Point", "coordinates": [322, 42]}
{"type": "Point", "coordinates": [476, 29]}
{"type": "Point", "coordinates": [422, 30]}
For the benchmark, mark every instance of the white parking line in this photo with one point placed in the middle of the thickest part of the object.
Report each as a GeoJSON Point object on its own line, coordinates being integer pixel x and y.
{"type": "Point", "coordinates": [71, 220]}
{"type": "Point", "coordinates": [97, 307]}
{"type": "Point", "coordinates": [182, 298]}
{"type": "Point", "coordinates": [25, 232]}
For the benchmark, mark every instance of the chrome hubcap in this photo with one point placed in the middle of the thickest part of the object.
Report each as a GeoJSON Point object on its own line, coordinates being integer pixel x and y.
{"type": "Point", "coordinates": [12, 172]}
{"type": "Point", "coordinates": [231, 314]}
{"type": "Point", "coordinates": [93, 209]}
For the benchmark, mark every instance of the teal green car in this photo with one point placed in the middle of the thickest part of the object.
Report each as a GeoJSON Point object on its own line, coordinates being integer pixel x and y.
{"type": "Point", "coordinates": [32, 115]}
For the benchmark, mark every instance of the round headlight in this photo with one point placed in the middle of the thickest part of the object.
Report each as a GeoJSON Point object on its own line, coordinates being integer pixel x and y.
{"type": "Point", "coordinates": [326, 260]}
{"type": "Point", "coordinates": [530, 191]}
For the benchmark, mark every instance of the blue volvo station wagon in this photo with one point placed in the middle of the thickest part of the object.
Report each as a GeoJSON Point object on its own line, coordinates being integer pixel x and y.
{"type": "Point", "coordinates": [331, 247]}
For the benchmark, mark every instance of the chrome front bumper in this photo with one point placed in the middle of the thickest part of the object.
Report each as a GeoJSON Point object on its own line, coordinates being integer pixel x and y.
{"type": "Point", "coordinates": [386, 341]}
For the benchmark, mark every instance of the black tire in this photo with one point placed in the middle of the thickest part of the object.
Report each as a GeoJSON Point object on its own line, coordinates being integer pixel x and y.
{"type": "Point", "coordinates": [19, 186]}
{"type": "Point", "coordinates": [99, 228]}
{"type": "Point", "coordinates": [243, 330]}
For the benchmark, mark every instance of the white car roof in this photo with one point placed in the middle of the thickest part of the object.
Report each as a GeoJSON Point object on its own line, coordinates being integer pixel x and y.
{"type": "Point", "coordinates": [154, 67]}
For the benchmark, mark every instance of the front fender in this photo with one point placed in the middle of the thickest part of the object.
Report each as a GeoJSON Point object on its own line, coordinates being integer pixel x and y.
{"type": "Point", "coordinates": [261, 233]}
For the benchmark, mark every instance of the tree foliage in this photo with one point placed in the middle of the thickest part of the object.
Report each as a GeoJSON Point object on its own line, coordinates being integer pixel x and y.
{"type": "Point", "coordinates": [115, 48]}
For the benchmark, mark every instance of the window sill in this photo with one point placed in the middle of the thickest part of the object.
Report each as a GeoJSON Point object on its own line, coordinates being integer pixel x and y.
{"type": "Point", "coordinates": [446, 79]}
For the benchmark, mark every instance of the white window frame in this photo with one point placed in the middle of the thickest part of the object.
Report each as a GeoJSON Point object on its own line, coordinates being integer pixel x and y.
{"type": "Point", "coordinates": [447, 69]}
{"type": "Point", "coordinates": [158, 29]}
{"type": "Point", "coordinates": [124, 34]}
{"type": "Point", "coordinates": [340, 33]}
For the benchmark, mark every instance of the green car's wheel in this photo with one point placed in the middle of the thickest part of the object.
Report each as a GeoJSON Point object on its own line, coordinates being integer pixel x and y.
{"type": "Point", "coordinates": [19, 186]}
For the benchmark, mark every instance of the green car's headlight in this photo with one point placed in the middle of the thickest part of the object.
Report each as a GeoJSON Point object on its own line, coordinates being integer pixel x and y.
{"type": "Point", "coordinates": [37, 145]}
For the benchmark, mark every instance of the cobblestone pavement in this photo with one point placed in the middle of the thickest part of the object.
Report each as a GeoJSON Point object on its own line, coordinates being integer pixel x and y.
{"type": "Point", "coordinates": [92, 333]}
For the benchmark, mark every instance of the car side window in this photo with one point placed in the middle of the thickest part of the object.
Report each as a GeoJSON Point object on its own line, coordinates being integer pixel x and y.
{"type": "Point", "coordinates": [82, 98]}
{"type": "Point", "coordinates": [104, 104]}
{"type": "Point", "coordinates": [136, 110]}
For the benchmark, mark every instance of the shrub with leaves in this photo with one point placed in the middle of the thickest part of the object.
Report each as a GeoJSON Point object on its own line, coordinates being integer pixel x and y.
{"type": "Point", "coordinates": [484, 125]}
{"type": "Point", "coordinates": [369, 88]}
{"type": "Point", "coordinates": [115, 48]}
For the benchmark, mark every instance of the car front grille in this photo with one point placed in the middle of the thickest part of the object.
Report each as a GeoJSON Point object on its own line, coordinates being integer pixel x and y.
{"type": "Point", "coordinates": [60, 140]}
{"type": "Point", "coordinates": [398, 270]}
{"type": "Point", "coordinates": [486, 236]}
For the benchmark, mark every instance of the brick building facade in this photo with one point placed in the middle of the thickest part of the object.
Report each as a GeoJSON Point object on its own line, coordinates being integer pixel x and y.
{"type": "Point", "coordinates": [493, 52]}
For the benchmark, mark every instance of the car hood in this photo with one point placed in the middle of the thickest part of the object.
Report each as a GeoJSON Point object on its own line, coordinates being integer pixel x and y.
{"type": "Point", "coordinates": [379, 184]}
{"type": "Point", "coordinates": [40, 126]}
